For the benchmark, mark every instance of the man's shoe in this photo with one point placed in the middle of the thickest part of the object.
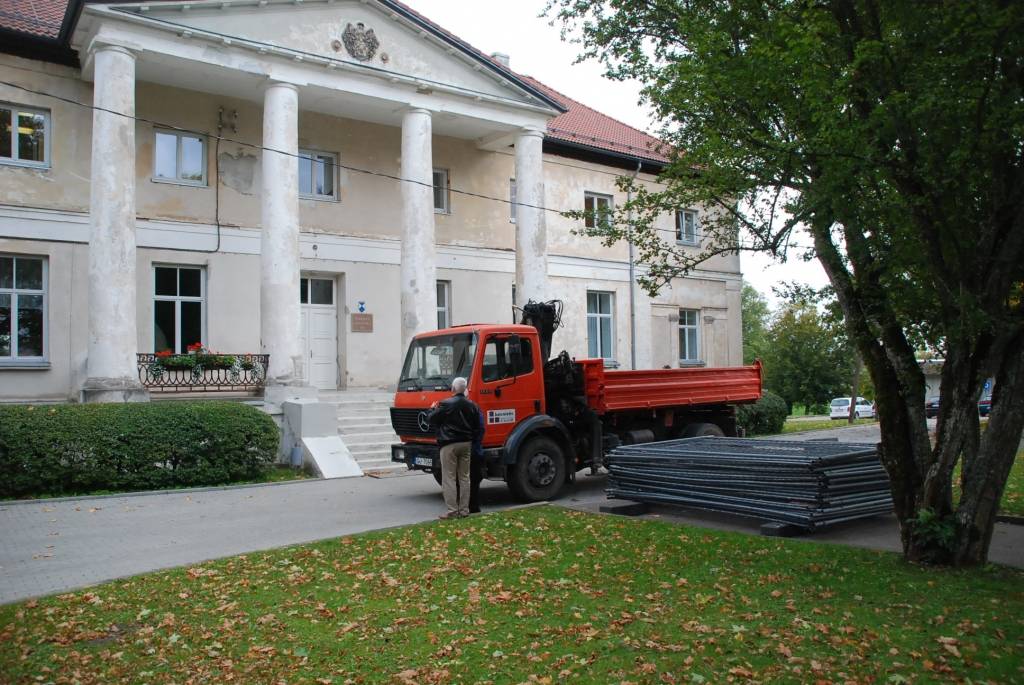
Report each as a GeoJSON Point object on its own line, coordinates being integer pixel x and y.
{"type": "Point", "coordinates": [449, 515]}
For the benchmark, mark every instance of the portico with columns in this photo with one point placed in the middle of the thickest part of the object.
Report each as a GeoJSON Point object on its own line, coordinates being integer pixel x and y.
{"type": "Point", "coordinates": [240, 49]}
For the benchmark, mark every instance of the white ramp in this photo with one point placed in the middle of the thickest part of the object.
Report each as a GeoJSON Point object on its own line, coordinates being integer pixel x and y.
{"type": "Point", "coordinates": [329, 456]}
{"type": "Point", "coordinates": [314, 426]}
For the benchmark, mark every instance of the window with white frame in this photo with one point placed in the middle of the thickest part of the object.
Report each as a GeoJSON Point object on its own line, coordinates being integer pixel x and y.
{"type": "Point", "coordinates": [179, 157]}
{"type": "Point", "coordinates": [179, 303]}
{"type": "Point", "coordinates": [317, 180]}
{"type": "Point", "coordinates": [598, 210]}
{"type": "Point", "coordinates": [22, 309]}
{"type": "Point", "coordinates": [24, 135]}
{"type": "Point", "coordinates": [442, 191]}
{"type": "Point", "coordinates": [689, 336]}
{"type": "Point", "coordinates": [686, 226]}
{"type": "Point", "coordinates": [316, 291]}
{"type": "Point", "coordinates": [444, 304]}
{"type": "Point", "coordinates": [600, 325]}
{"type": "Point", "coordinates": [512, 200]}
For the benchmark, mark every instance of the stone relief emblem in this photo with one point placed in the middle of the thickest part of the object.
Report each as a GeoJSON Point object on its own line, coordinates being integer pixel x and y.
{"type": "Point", "coordinates": [360, 42]}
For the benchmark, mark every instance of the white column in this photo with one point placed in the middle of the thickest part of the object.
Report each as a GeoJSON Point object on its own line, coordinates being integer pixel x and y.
{"type": "Point", "coordinates": [111, 369]}
{"type": "Point", "coordinates": [531, 225]}
{"type": "Point", "coordinates": [419, 259]}
{"type": "Point", "coordinates": [279, 245]}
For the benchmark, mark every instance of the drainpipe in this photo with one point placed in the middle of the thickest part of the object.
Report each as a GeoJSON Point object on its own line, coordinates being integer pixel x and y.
{"type": "Point", "coordinates": [632, 274]}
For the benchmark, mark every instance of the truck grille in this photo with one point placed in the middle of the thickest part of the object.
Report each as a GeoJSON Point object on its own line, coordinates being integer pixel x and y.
{"type": "Point", "coordinates": [407, 422]}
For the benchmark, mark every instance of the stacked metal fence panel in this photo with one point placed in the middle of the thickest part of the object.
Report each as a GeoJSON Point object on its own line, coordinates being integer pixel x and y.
{"type": "Point", "coordinates": [808, 484]}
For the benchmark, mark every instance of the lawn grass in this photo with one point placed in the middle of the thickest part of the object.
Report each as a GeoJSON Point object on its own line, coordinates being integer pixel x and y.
{"type": "Point", "coordinates": [536, 595]}
{"type": "Point", "coordinates": [825, 424]}
{"type": "Point", "coordinates": [276, 474]}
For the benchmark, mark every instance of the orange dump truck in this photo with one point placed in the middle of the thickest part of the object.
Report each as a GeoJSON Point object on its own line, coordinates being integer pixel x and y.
{"type": "Point", "coordinates": [546, 419]}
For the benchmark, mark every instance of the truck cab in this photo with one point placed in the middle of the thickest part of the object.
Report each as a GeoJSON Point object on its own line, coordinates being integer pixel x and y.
{"type": "Point", "coordinates": [505, 372]}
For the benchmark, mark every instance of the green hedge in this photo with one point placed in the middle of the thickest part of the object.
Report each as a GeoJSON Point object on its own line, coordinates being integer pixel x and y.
{"type": "Point", "coordinates": [767, 416]}
{"type": "Point", "coordinates": [77, 448]}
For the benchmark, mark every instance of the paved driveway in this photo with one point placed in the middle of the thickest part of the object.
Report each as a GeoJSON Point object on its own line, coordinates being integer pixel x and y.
{"type": "Point", "coordinates": [54, 546]}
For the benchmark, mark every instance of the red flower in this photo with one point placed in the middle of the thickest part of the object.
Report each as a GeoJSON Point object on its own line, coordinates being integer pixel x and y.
{"type": "Point", "coordinates": [165, 353]}
{"type": "Point", "coordinates": [195, 347]}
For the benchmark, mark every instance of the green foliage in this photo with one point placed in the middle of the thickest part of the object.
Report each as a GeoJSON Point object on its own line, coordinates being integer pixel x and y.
{"type": "Point", "coordinates": [867, 135]}
{"type": "Point", "coordinates": [936, 534]}
{"type": "Point", "coordinates": [767, 416]}
{"type": "Point", "coordinates": [68, 449]}
{"type": "Point", "coordinates": [806, 361]}
{"type": "Point", "coordinates": [755, 316]}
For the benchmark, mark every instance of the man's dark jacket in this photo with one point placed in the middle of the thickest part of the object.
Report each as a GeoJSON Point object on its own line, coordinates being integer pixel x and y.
{"type": "Point", "coordinates": [457, 419]}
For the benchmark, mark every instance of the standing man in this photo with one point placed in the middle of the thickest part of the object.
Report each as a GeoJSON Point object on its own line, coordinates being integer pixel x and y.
{"type": "Point", "coordinates": [457, 420]}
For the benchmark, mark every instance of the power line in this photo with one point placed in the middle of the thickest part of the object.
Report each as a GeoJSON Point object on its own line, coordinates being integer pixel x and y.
{"type": "Point", "coordinates": [354, 169]}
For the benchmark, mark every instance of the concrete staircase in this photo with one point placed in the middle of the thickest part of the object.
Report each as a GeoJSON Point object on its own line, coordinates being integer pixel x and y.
{"type": "Point", "coordinates": [364, 423]}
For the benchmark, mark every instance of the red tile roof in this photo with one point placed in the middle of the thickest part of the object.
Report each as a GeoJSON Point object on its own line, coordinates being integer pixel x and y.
{"type": "Point", "coordinates": [583, 125]}
{"type": "Point", "coordinates": [35, 17]}
{"type": "Point", "coordinates": [578, 125]}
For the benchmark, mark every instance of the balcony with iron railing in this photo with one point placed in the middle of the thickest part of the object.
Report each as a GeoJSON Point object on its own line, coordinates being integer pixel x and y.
{"type": "Point", "coordinates": [202, 371]}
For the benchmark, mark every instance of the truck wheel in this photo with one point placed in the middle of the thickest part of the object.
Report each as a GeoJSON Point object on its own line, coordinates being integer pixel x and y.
{"type": "Point", "coordinates": [703, 430]}
{"type": "Point", "coordinates": [437, 476]}
{"type": "Point", "coordinates": [539, 472]}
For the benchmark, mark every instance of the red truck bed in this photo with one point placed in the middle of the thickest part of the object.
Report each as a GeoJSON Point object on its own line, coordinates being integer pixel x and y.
{"type": "Point", "coordinates": [610, 391]}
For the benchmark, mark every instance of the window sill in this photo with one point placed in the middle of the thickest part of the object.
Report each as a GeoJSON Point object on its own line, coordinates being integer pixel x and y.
{"type": "Point", "coordinates": [42, 166]}
{"type": "Point", "coordinates": [318, 198]}
{"type": "Point", "coordinates": [24, 366]}
{"type": "Point", "coordinates": [691, 363]}
{"type": "Point", "coordinates": [442, 211]}
{"type": "Point", "coordinates": [688, 243]}
{"type": "Point", "coordinates": [176, 182]}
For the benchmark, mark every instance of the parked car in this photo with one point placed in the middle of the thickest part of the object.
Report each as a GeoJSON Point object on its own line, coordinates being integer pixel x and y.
{"type": "Point", "coordinates": [984, 406]}
{"type": "Point", "coordinates": [839, 408]}
{"type": "Point", "coordinates": [931, 407]}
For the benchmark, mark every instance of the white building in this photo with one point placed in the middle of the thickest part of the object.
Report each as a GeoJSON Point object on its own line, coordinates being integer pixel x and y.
{"type": "Point", "coordinates": [252, 174]}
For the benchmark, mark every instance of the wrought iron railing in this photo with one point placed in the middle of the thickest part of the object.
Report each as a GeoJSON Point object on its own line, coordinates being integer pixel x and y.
{"type": "Point", "coordinates": [203, 372]}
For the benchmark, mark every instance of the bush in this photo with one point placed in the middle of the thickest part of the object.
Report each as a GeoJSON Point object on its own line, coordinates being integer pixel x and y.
{"type": "Point", "coordinates": [76, 448]}
{"type": "Point", "coordinates": [767, 416]}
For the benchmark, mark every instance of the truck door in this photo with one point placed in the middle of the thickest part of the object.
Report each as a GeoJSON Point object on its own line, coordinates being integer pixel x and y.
{"type": "Point", "coordinates": [511, 387]}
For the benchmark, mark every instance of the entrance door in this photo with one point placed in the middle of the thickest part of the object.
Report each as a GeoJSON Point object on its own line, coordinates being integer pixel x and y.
{"type": "Point", "coordinates": [319, 333]}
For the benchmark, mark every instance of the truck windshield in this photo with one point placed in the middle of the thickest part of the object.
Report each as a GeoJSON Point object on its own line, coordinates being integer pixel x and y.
{"type": "Point", "coordinates": [432, 363]}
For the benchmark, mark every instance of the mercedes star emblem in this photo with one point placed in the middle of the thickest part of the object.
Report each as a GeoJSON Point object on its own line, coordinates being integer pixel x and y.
{"type": "Point", "coordinates": [423, 422]}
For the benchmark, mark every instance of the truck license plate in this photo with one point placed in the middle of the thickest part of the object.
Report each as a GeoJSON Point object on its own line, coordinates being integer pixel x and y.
{"type": "Point", "coordinates": [423, 461]}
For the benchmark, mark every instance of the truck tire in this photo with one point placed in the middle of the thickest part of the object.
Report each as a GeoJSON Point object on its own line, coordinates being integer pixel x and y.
{"type": "Point", "coordinates": [703, 430]}
{"type": "Point", "coordinates": [539, 471]}
{"type": "Point", "coordinates": [437, 476]}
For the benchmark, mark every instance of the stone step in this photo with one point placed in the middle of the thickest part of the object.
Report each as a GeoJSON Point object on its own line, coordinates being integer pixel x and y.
{"type": "Point", "coordinates": [380, 447]}
{"type": "Point", "coordinates": [358, 440]}
{"type": "Point", "coordinates": [361, 428]}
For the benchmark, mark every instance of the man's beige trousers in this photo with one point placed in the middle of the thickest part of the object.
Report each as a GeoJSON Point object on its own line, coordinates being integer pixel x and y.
{"type": "Point", "coordinates": [455, 465]}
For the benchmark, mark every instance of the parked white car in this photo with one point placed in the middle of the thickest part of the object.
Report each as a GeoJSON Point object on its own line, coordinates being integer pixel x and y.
{"type": "Point", "coordinates": [839, 408]}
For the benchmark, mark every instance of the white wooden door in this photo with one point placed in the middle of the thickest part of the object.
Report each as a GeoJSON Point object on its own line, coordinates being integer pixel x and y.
{"type": "Point", "coordinates": [319, 333]}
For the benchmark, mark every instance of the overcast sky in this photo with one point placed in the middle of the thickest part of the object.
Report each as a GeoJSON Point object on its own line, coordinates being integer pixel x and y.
{"type": "Point", "coordinates": [536, 49]}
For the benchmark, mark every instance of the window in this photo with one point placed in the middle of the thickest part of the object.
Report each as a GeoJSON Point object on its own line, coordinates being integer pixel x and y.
{"type": "Point", "coordinates": [22, 308]}
{"type": "Point", "coordinates": [689, 335]}
{"type": "Point", "coordinates": [24, 135]}
{"type": "Point", "coordinates": [599, 325]}
{"type": "Point", "coordinates": [316, 291]}
{"type": "Point", "coordinates": [179, 294]}
{"type": "Point", "coordinates": [442, 201]}
{"type": "Point", "coordinates": [179, 158]}
{"type": "Point", "coordinates": [444, 304]}
{"type": "Point", "coordinates": [501, 363]}
{"type": "Point", "coordinates": [512, 200]}
{"type": "Point", "coordinates": [686, 226]}
{"type": "Point", "coordinates": [598, 209]}
{"type": "Point", "coordinates": [316, 175]}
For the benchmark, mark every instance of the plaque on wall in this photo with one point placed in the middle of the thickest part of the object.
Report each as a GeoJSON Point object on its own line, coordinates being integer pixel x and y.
{"type": "Point", "coordinates": [362, 323]}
